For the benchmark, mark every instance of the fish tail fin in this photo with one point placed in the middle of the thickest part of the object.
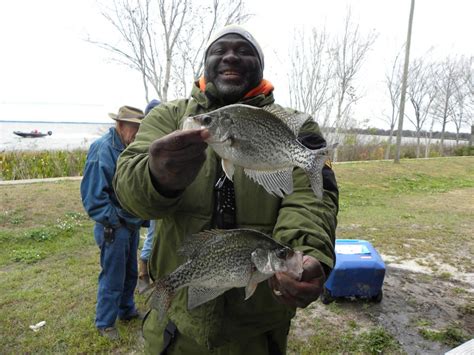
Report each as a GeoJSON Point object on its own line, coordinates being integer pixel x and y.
{"type": "Point", "coordinates": [314, 168]}
{"type": "Point", "coordinates": [160, 298]}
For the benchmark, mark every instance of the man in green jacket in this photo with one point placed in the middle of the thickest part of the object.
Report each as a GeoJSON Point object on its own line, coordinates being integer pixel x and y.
{"type": "Point", "coordinates": [172, 175]}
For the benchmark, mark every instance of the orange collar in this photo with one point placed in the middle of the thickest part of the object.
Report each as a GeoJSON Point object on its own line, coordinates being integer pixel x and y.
{"type": "Point", "coordinates": [265, 87]}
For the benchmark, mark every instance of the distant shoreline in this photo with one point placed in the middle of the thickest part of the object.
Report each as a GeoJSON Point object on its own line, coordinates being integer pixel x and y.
{"type": "Point", "coordinates": [61, 122]}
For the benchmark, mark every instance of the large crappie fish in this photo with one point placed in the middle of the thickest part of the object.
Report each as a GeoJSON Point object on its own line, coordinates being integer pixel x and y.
{"type": "Point", "coordinates": [264, 142]}
{"type": "Point", "coordinates": [219, 260]}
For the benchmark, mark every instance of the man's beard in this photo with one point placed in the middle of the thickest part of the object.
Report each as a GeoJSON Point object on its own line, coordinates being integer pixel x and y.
{"type": "Point", "coordinates": [231, 93]}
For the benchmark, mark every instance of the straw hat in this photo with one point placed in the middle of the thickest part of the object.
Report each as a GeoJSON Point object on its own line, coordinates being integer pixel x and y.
{"type": "Point", "coordinates": [128, 114]}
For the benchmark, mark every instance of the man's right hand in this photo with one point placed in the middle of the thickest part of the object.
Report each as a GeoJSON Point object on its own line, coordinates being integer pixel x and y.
{"type": "Point", "coordinates": [175, 159]}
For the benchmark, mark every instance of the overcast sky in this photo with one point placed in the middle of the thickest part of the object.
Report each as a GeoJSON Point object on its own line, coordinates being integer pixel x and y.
{"type": "Point", "coordinates": [48, 72]}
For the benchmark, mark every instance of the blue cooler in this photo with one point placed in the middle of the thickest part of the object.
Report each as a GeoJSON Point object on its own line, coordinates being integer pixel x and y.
{"type": "Point", "coordinates": [359, 272]}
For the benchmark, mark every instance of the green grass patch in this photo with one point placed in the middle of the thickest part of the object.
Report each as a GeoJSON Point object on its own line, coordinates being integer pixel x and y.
{"type": "Point", "coordinates": [11, 217]}
{"type": "Point", "coordinates": [30, 245]}
{"type": "Point", "coordinates": [423, 323]}
{"type": "Point", "coordinates": [445, 275]}
{"type": "Point", "coordinates": [427, 184]}
{"type": "Point", "coordinates": [460, 290]}
{"type": "Point", "coordinates": [452, 335]}
{"type": "Point", "coordinates": [331, 339]}
{"type": "Point", "coordinates": [26, 255]}
{"type": "Point", "coordinates": [466, 309]}
{"type": "Point", "coordinates": [49, 264]}
{"type": "Point", "coordinates": [371, 184]}
{"type": "Point", "coordinates": [414, 209]}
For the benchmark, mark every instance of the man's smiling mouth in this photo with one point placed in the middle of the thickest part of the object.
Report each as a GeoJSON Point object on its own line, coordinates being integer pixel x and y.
{"type": "Point", "coordinates": [231, 74]}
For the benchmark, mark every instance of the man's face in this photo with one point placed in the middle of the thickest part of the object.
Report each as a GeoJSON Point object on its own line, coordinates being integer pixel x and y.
{"type": "Point", "coordinates": [127, 131]}
{"type": "Point", "coordinates": [232, 65]}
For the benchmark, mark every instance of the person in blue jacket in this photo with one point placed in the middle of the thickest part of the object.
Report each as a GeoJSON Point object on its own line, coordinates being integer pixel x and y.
{"type": "Point", "coordinates": [116, 232]}
{"type": "Point", "coordinates": [143, 275]}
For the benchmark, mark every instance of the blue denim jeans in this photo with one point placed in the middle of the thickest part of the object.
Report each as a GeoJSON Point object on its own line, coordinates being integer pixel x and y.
{"type": "Point", "coordinates": [148, 243]}
{"type": "Point", "coordinates": [118, 277]}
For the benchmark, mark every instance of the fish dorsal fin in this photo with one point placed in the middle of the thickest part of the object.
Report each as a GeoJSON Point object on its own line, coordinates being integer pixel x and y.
{"type": "Point", "coordinates": [294, 120]}
{"type": "Point", "coordinates": [200, 295]}
{"type": "Point", "coordinates": [277, 182]}
{"type": "Point", "coordinates": [194, 241]}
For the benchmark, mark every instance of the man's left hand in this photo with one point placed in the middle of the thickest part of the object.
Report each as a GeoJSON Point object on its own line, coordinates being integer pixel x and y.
{"type": "Point", "coordinates": [299, 293]}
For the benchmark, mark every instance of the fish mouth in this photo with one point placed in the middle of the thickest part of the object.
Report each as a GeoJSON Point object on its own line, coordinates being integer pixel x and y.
{"type": "Point", "coordinates": [191, 123]}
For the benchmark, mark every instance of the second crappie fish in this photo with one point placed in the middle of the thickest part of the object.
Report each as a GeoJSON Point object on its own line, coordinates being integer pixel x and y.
{"type": "Point", "coordinates": [264, 142]}
{"type": "Point", "coordinates": [218, 260]}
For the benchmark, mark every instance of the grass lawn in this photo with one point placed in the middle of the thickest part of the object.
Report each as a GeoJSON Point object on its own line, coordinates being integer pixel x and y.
{"type": "Point", "coordinates": [419, 209]}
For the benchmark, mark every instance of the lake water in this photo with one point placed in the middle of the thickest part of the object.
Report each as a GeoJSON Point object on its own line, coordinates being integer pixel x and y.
{"type": "Point", "coordinates": [66, 136]}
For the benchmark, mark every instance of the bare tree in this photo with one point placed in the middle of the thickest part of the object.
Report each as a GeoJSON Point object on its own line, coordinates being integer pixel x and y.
{"type": "Point", "coordinates": [448, 77]}
{"type": "Point", "coordinates": [461, 110]}
{"type": "Point", "coordinates": [164, 39]}
{"type": "Point", "coordinates": [393, 82]}
{"type": "Point", "coordinates": [349, 51]}
{"type": "Point", "coordinates": [311, 74]}
{"type": "Point", "coordinates": [323, 73]}
{"type": "Point", "coordinates": [421, 93]}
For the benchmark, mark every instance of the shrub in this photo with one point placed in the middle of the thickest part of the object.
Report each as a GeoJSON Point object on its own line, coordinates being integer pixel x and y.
{"type": "Point", "coordinates": [18, 165]}
{"type": "Point", "coordinates": [464, 151]}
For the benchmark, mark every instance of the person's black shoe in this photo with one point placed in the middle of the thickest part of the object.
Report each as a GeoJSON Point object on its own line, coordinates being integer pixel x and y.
{"type": "Point", "coordinates": [135, 315]}
{"type": "Point", "coordinates": [110, 333]}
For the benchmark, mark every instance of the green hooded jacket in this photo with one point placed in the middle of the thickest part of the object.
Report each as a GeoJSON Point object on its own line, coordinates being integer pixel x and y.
{"type": "Point", "coordinates": [299, 220]}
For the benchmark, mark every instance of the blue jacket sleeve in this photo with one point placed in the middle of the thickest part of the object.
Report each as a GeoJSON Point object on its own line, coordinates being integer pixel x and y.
{"type": "Point", "coordinates": [97, 190]}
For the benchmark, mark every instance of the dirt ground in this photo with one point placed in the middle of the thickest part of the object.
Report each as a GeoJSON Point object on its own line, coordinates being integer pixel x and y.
{"type": "Point", "coordinates": [412, 300]}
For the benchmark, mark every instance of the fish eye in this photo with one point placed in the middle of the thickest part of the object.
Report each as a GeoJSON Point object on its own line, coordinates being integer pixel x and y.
{"type": "Point", "coordinates": [281, 253]}
{"type": "Point", "coordinates": [206, 120]}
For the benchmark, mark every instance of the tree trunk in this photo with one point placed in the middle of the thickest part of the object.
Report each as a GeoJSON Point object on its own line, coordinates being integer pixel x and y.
{"type": "Point", "coordinates": [404, 84]}
{"type": "Point", "coordinates": [336, 131]}
{"type": "Point", "coordinates": [471, 141]}
{"type": "Point", "coordinates": [389, 143]}
{"type": "Point", "coordinates": [441, 142]}
{"type": "Point", "coordinates": [417, 144]}
{"type": "Point", "coordinates": [428, 144]}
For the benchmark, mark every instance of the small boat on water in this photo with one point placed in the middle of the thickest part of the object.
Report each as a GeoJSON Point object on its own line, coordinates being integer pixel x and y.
{"type": "Point", "coordinates": [32, 134]}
